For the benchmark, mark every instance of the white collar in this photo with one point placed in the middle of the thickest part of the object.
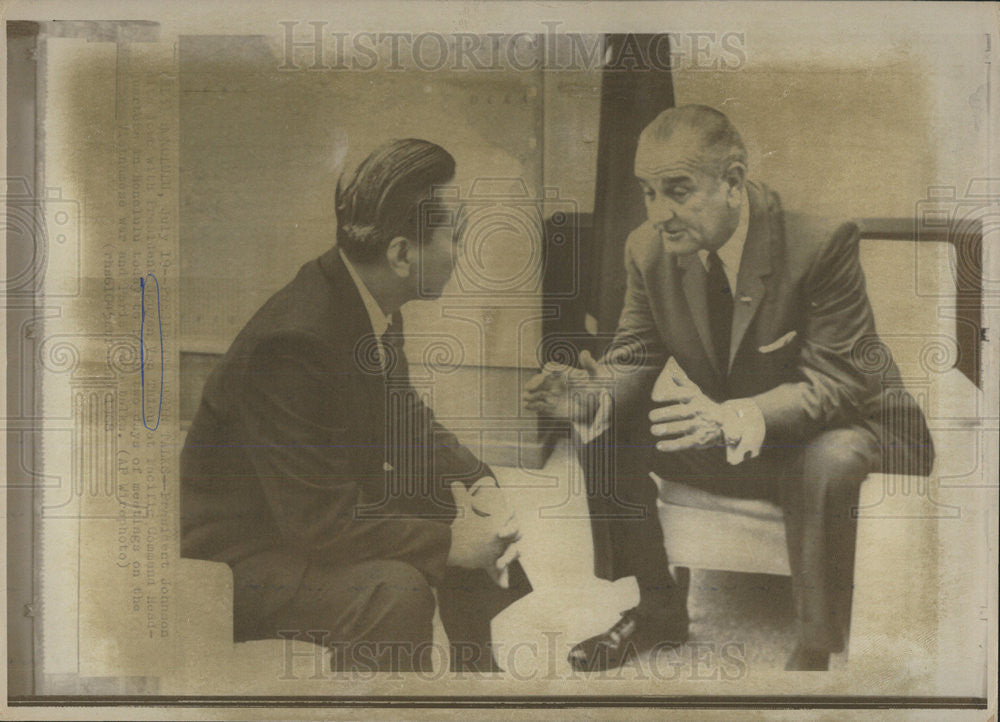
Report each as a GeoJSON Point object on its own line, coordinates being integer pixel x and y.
{"type": "Point", "coordinates": [379, 320]}
{"type": "Point", "coordinates": [731, 252]}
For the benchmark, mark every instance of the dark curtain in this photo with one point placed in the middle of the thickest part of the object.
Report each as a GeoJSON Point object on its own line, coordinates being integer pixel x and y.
{"type": "Point", "coordinates": [633, 92]}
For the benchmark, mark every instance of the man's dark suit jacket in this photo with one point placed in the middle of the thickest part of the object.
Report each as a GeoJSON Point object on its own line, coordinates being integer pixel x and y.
{"type": "Point", "coordinates": [292, 460]}
{"type": "Point", "coordinates": [803, 343]}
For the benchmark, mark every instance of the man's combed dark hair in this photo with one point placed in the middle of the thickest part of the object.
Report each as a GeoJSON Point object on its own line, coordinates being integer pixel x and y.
{"type": "Point", "coordinates": [381, 198]}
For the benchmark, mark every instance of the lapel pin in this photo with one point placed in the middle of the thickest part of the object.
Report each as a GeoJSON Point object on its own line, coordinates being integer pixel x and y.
{"type": "Point", "coordinates": [745, 299]}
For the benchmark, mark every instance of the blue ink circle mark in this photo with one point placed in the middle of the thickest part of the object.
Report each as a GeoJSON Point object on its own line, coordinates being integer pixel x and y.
{"type": "Point", "coordinates": [142, 349]}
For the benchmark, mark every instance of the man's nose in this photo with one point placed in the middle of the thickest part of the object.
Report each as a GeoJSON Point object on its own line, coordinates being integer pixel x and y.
{"type": "Point", "coordinates": [660, 211]}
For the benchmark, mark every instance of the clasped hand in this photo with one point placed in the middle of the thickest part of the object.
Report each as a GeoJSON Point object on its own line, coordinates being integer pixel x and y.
{"type": "Point", "coordinates": [485, 531]}
{"type": "Point", "coordinates": [688, 419]}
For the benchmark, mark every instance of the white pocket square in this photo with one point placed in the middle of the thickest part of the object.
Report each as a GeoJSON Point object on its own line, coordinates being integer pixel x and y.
{"type": "Point", "coordinates": [780, 343]}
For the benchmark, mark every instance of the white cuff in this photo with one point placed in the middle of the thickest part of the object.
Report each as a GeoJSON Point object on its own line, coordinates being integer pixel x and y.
{"type": "Point", "coordinates": [744, 425]}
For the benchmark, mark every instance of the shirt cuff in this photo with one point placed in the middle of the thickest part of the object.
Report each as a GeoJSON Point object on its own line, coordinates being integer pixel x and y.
{"type": "Point", "coordinates": [744, 430]}
{"type": "Point", "coordinates": [599, 424]}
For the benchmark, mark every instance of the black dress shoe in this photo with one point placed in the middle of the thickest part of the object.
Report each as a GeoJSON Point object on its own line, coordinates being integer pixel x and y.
{"type": "Point", "coordinates": [804, 659]}
{"type": "Point", "coordinates": [630, 635]}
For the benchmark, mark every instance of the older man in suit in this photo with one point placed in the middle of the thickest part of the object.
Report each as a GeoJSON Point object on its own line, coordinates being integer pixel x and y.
{"type": "Point", "coordinates": [735, 368]}
{"type": "Point", "coordinates": [316, 472]}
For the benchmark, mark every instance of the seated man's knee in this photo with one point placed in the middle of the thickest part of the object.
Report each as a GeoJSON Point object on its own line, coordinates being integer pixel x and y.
{"type": "Point", "coordinates": [393, 631]}
{"type": "Point", "coordinates": [403, 589]}
{"type": "Point", "coordinates": [840, 457]}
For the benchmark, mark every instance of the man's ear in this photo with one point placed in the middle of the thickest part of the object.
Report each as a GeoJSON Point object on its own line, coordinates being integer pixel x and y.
{"type": "Point", "coordinates": [735, 177]}
{"type": "Point", "coordinates": [399, 255]}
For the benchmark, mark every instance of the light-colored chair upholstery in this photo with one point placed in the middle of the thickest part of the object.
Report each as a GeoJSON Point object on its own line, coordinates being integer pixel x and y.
{"type": "Point", "coordinates": [211, 663]}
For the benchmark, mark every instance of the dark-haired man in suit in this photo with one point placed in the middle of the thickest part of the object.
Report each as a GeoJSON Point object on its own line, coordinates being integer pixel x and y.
{"type": "Point", "coordinates": [316, 472]}
{"type": "Point", "coordinates": [748, 319]}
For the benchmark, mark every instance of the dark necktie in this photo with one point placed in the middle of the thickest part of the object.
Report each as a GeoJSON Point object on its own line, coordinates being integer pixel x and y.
{"type": "Point", "coordinates": [406, 424]}
{"type": "Point", "coordinates": [393, 360]}
{"type": "Point", "coordinates": [720, 309]}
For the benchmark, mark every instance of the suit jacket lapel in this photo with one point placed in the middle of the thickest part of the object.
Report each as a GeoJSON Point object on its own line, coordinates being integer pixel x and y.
{"type": "Point", "coordinates": [754, 267]}
{"type": "Point", "coordinates": [693, 283]}
{"type": "Point", "coordinates": [356, 327]}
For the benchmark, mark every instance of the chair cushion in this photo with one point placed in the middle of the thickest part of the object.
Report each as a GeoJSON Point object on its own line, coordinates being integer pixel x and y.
{"type": "Point", "coordinates": [710, 539]}
{"type": "Point", "coordinates": [677, 494]}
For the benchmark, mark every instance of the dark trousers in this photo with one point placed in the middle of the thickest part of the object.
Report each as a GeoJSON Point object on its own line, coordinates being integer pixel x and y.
{"type": "Point", "coordinates": [377, 615]}
{"type": "Point", "coordinates": [815, 484]}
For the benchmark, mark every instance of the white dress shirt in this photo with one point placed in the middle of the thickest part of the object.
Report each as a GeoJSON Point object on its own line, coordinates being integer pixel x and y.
{"type": "Point", "coordinates": [731, 252]}
{"type": "Point", "coordinates": [743, 425]}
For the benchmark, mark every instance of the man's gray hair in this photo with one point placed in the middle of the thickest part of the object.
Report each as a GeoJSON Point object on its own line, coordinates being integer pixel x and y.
{"type": "Point", "coordinates": [721, 144]}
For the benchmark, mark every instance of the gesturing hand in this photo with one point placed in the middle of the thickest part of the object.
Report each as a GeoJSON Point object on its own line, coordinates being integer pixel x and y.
{"type": "Point", "coordinates": [549, 392]}
{"type": "Point", "coordinates": [688, 419]}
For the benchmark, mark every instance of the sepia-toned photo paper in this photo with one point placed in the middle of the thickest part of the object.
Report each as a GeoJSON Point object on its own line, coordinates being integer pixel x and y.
{"type": "Point", "coordinates": [506, 359]}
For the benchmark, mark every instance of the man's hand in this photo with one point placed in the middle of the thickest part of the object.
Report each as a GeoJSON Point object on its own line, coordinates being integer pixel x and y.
{"type": "Point", "coordinates": [688, 419]}
{"type": "Point", "coordinates": [488, 498]}
{"type": "Point", "coordinates": [549, 392]}
{"type": "Point", "coordinates": [480, 540]}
